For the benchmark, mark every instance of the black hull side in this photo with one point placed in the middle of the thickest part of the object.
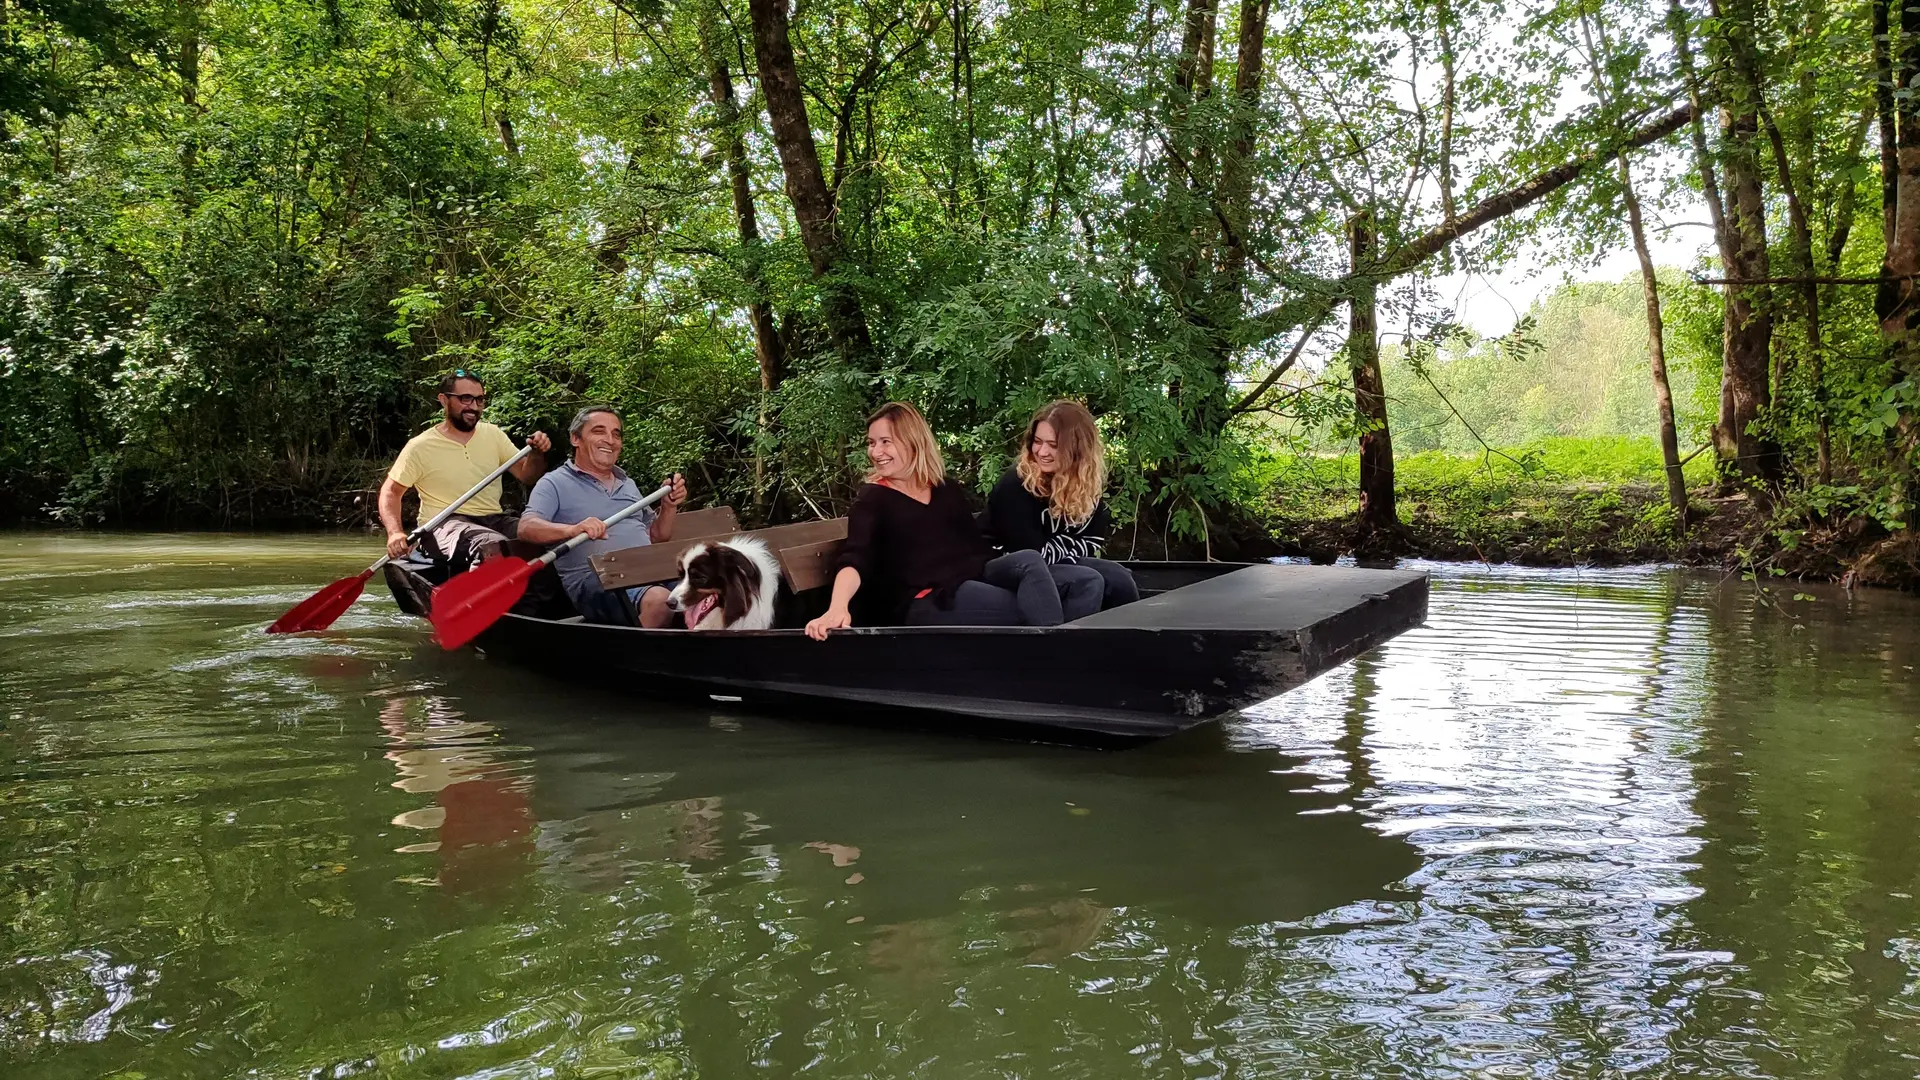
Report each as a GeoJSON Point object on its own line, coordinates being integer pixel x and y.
{"type": "Point", "coordinates": [1103, 683]}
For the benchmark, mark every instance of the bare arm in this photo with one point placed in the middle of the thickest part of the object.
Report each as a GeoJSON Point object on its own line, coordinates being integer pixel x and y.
{"type": "Point", "coordinates": [391, 492]}
{"type": "Point", "coordinates": [539, 530]}
{"type": "Point", "coordinates": [845, 584]}
{"type": "Point", "coordinates": [661, 530]}
{"type": "Point", "coordinates": [529, 468]}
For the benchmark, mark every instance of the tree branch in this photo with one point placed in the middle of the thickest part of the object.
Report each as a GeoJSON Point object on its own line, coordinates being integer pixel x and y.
{"type": "Point", "coordinates": [1508, 202]}
{"type": "Point", "coordinates": [1803, 279]}
{"type": "Point", "coordinates": [1294, 310]}
{"type": "Point", "coordinates": [1293, 357]}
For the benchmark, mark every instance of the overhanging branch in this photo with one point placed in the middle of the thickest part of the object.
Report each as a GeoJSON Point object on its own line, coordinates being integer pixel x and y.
{"type": "Point", "coordinates": [1293, 357]}
{"type": "Point", "coordinates": [1289, 313]}
{"type": "Point", "coordinates": [1508, 202]}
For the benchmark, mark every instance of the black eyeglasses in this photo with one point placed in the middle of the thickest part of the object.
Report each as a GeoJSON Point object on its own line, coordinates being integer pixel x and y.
{"type": "Point", "coordinates": [470, 399]}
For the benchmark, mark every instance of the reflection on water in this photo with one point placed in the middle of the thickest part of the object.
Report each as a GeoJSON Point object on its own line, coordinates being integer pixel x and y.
{"type": "Point", "coordinates": [1592, 824]}
{"type": "Point", "coordinates": [480, 817]}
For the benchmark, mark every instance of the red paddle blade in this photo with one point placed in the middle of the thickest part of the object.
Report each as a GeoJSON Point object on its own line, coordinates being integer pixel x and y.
{"type": "Point", "coordinates": [318, 611]}
{"type": "Point", "coordinates": [469, 603]}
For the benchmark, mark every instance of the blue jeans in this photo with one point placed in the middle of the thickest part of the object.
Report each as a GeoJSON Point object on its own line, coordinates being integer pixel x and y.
{"type": "Point", "coordinates": [611, 608]}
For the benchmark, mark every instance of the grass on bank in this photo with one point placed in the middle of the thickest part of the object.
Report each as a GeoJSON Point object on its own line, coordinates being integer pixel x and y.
{"type": "Point", "coordinates": [1556, 500]}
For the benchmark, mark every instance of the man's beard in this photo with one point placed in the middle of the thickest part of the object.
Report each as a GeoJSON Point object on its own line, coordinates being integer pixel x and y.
{"type": "Point", "coordinates": [463, 421]}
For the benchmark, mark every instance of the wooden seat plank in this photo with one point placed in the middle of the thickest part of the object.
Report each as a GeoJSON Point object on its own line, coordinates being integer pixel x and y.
{"type": "Point", "coordinates": [810, 566]}
{"type": "Point", "coordinates": [713, 521]}
{"type": "Point", "coordinates": [653, 563]}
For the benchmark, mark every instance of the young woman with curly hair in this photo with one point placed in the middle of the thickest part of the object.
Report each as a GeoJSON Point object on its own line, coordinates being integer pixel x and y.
{"type": "Point", "coordinates": [1051, 500]}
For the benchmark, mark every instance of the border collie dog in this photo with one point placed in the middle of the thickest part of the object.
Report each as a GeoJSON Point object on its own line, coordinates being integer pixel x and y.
{"type": "Point", "coordinates": [727, 585]}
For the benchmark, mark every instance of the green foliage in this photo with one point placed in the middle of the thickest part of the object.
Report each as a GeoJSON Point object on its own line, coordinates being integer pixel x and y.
{"type": "Point", "coordinates": [245, 236]}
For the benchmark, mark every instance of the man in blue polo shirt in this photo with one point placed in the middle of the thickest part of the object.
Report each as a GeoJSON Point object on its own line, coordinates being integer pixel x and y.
{"type": "Point", "coordinates": [578, 497]}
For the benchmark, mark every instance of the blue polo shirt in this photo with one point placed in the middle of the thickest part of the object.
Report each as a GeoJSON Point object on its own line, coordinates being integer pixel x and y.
{"type": "Point", "coordinates": [569, 495]}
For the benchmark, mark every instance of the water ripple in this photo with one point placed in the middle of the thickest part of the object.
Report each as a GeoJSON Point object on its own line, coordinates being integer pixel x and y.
{"type": "Point", "coordinates": [1612, 822]}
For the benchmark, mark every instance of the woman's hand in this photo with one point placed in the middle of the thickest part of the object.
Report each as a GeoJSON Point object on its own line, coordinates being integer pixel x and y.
{"type": "Point", "coordinates": [834, 619]}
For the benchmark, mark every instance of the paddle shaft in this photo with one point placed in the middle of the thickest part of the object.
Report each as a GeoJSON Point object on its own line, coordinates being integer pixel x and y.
{"type": "Point", "coordinates": [613, 519]}
{"type": "Point", "coordinates": [440, 518]}
{"type": "Point", "coordinates": [468, 603]}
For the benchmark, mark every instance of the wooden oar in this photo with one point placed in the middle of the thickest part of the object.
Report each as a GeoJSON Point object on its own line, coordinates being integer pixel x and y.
{"type": "Point", "coordinates": [318, 611]}
{"type": "Point", "coordinates": [469, 603]}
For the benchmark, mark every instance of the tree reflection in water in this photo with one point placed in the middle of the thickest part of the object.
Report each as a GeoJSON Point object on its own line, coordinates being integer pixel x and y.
{"type": "Point", "coordinates": [1584, 824]}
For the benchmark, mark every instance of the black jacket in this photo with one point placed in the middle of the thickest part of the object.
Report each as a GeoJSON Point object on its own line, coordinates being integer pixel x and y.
{"type": "Point", "coordinates": [901, 546]}
{"type": "Point", "coordinates": [1019, 520]}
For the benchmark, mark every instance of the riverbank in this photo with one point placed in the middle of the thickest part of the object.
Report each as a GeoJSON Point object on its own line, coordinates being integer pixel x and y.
{"type": "Point", "coordinates": [1557, 502]}
{"type": "Point", "coordinates": [1544, 524]}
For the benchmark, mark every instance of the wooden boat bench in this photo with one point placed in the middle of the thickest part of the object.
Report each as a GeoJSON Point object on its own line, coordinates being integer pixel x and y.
{"type": "Point", "coordinates": [806, 550]}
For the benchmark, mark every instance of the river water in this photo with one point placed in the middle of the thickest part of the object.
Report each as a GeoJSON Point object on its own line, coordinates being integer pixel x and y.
{"type": "Point", "coordinates": [1582, 824]}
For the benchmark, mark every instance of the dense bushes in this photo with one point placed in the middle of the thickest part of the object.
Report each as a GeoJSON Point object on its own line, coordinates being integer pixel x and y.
{"type": "Point", "coordinates": [243, 237]}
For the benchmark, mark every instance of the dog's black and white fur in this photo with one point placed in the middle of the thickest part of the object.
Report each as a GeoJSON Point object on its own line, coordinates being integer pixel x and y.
{"type": "Point", "coordinates": [727, 585]}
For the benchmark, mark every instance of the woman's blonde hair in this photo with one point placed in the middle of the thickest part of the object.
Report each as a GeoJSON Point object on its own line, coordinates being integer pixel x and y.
{"type": "Point", "coordinates": [910, 430]}
{"type": "Point", "coordinates": [1077, 483]}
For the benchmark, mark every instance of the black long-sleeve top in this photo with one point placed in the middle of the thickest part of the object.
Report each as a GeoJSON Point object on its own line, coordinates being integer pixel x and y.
{"type": "Point", "coordinates": [901, 547]}
{"type": "Point", "coordinates": [1020, 520]}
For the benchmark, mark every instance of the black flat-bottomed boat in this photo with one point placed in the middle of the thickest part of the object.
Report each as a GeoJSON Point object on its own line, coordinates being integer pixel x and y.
{"type": "Point", "coordinates": [1204, 640]}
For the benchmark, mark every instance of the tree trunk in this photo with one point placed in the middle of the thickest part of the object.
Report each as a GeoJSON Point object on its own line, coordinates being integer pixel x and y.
{"type": "Point", "coordinates": [1746, 324]}
{"type": "Point", "coordinates": [1849, 193]}
{"type": "Point", "coordinates": [1889, 129]}
{"type": "Point", "coordinates": [806, 184]}
{"type": "Point", "coordinates": [1746, 318]}
{"type": "Point", "coordinates": [1188, 165]}
{"type": "Point", "coordinates": [1193, 76]}
{"type": "Point", "coordinates": [1218, 300]}
{"type": "Point", "coordinates": [1377, 510]}
{"type": "Point", "coordinates": [1649, 282]}
{"type": "Point", "coordinates": [1896, 302]}
{"type": "Point", "coordinates": [1656, 350]}
{"type": "Point", "coordinates": [187, 68]}
{"type": "Point", "coordinates": [1236, 170]}
{"type": "Point", "coordinates": [768, 349]}
{"type": "Point", "coordinates": [1677, 22]}
{"type": "Point", "coordinates": [1800, 232]}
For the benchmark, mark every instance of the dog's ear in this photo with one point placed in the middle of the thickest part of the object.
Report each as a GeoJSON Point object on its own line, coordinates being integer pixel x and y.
{"type": "Point", "coordinates": [739, 580]}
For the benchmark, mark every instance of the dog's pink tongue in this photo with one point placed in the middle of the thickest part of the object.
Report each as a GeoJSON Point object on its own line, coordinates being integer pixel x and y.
{"type": "Point", "coordinates": [700, 608]}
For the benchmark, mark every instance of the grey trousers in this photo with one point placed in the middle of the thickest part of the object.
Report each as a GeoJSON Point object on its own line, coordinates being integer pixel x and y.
{"type": "Point", "coordinates": [1120, 586]}
{"type": "Point", "coordinates": [1016, 589]}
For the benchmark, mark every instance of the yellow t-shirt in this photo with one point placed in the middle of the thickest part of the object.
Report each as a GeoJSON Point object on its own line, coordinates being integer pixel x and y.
{"type": "Point", "coordinates": [442, 470]}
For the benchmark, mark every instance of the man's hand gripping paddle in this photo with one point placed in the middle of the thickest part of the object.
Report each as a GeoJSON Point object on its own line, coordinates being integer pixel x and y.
{"type": "Point", "coordinates": [473, 601]}
{"type": "Point", "coordinates": [318, 611]}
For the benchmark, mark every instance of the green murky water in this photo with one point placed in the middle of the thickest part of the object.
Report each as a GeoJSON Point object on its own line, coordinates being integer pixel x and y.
{"type": "Point", "coordinates": [1584, 824]}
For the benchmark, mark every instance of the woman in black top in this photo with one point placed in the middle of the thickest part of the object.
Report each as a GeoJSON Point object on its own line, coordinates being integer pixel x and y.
{"type": "Point", "coordinates": [915, 555]}
{"type": "Point", "coordinates": [1050, 501]}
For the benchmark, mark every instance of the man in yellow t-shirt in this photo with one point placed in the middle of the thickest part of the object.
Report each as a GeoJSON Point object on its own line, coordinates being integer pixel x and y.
{"type": "Point", "coordinates": [442, 462]}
